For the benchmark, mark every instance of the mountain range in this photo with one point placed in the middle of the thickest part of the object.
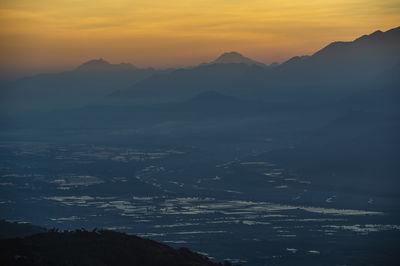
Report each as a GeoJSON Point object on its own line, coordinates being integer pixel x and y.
{"type": "Point", "coordinates": [87, 83]}
{"type": "Point", "coordinates": [336, 106]}
{"type": "Point", "coordinates": [339, 67]}
{"type": "Point", "coordinates": [342, 68]}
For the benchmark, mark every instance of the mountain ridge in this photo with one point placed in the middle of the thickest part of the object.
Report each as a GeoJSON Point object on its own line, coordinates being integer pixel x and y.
{"type": "Point", "coordinates": [235, 58]}
{"type": "Point", "coordinates": [102, 65]}
{"type": "Point", "coordinates": [339, 66]}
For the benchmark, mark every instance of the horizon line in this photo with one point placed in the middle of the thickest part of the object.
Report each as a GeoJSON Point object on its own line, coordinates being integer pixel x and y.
{"type": "Point", "coordinates": [29, 72]}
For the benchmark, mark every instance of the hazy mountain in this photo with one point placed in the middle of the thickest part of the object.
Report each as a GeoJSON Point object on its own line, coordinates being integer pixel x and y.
{"type": "Point", "coordinates": [346, 63]}
{"type": "Point", "coordinates": [185, 83]}
{"type": "Point", "coordinates": [100, 65]}
{"type": "Point", "coordinates": [88, 82]}
{"type": "Point", "coordinates": [235, 58]}
{"type": "Point", "coordinates": [312, 87]}
{"type": "Point", "coordinates": [336, 71]}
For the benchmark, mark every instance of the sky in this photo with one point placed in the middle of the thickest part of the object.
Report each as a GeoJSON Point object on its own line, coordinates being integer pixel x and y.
{"type": "Point", "coordinates": [54, 35]}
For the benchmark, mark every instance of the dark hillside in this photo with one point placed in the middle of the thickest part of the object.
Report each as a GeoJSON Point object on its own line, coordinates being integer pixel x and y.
{"type": "Point", "coordinates": [94, 248]}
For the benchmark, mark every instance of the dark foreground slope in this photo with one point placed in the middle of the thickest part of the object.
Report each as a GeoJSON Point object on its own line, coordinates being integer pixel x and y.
{"type": "Point", "coordinates": [93, 248]}
{"type": "Point", "coordinates": [9, 230]}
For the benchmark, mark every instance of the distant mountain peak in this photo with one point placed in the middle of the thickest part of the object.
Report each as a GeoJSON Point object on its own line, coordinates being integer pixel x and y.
{"type": "Point", "coordinates": [98, 65]}
{"type": "Point", "coordinates": [377, 32]}
{"type": "Point", "coordinates": [94, 63]}
{"type": "Point", "coordinates": [296, 60]}
{"type": "Point", "coordinates": [367, 37]}
{"type": "Point", "coordinates": [231, 56]}
{"type": "Point", "coordinates": [235, 58]}
{"type": "Point", "coordinates": [377, 35]}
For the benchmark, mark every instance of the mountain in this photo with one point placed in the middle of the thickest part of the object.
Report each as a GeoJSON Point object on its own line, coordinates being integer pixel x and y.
{"type": "Point", "coordinates": [87, 83]}
{"type": "Point", "coordinates": [207, 105]}
{"type": "Point", "coordinates": [94, 248]}
{"type": "Point", "coordinates": [235, 58]}
{"type": "Point", "coordinates": [336, 71]}
{"type": "Point", "coordinates": [185, 83]}
{"type": "Point", "coordinates": [100, 65]}
{"type": "Point", "coordinates": [348, 63]}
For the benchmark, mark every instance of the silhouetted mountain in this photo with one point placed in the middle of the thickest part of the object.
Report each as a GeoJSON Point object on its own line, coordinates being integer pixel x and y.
{"type": "Point", "coordinates": [295, 60]}
{"type": "Point", "coordinates": [235, 58]}
{"type": "Point", "coordinates": [87, 83]}
{"type": "Point", "coordinates": [338, 71]}
{"type": "Point", "coordinates": [347, 63]}
{"type": "Point", "coordinates": [274, 64]}
{"type": "Point", "coordinates": [312, 87]}
{"type": "Point", "coordinates": [94, 248]}
{"type": "Point", "coordinates": [334, 72]}
{"type": "Point", "coordinates": [185, 83]}
{"type": "Point", "coordinates": [210, 141]}
{"type": "Point", "coordinates": [100, 65]}
{"type": "Point", "coordinates": [205, 106]}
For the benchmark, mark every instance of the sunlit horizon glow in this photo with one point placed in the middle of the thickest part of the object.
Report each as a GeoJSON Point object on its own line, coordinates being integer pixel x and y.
{"type": "Point", "coordinates": [48, 35]}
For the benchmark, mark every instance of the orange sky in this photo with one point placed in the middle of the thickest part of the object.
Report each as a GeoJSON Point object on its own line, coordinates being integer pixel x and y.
{"type": "Point", "coordinates": [50, 35]}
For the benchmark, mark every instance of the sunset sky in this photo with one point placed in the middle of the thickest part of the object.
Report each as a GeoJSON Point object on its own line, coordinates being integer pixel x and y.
{"type": "Point", "coordinates": [52, 35]}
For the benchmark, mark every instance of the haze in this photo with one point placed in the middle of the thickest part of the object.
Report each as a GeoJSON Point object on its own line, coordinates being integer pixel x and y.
{"type": "Point", "coordinates": [213, 155]}
{"type": "Point", "coordinates": [45, 35]}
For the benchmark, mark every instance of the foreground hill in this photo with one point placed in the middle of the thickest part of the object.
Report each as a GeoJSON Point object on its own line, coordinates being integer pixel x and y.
{"type": "Point", "coordinates": [15, 229]}
{"type": "Point", "coordinates": [94, 248]}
